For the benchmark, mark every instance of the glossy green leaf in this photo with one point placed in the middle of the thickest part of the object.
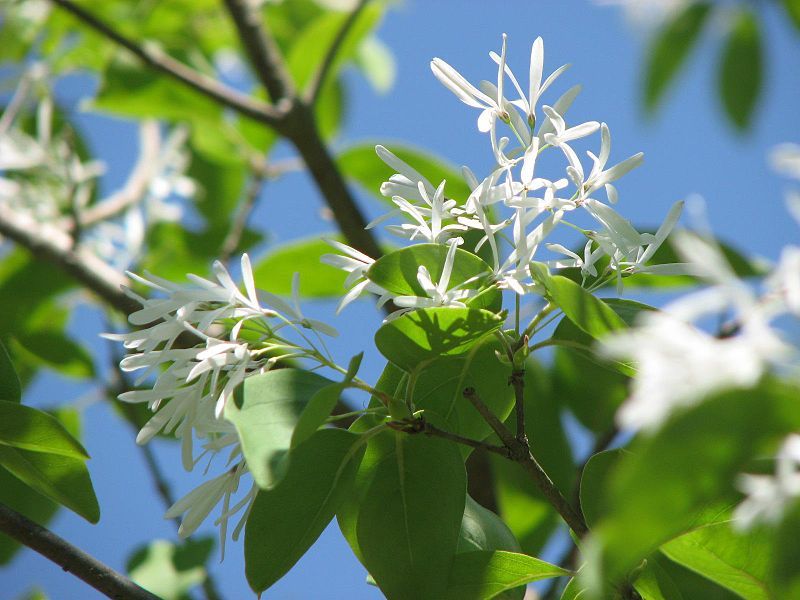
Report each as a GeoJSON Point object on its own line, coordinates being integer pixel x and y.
{"type": "Point", "coordinates": [61, 478]}
{"type": "Point", "coordinates": [170, 571]}
{"type": "Point", "coordinates": [10, 389]}
{"type": "Point", "coordinates": [669, 50]}
{"type": "Point", "coordinates": [673, 480]}
{"type": "Point", "coordinates": [265, 410]}
{"type": "Point", "coordinates": [361, 164]}
{"type": "Point", "coordinates": [741, 69]}
{"type": "Point", "coordinates": [581, 307]}
{"type": "Point", "coordinates": [429, 333]}
{"type": "Point", "coordinates": [274, 272]}
{"type": "Point", "coordinates": [654, 583]}
{"type": "Point", "coordinates": [410, 490]}
{"type": "Point", "coordinates": [396, 272]}
{"type": "Point", "coordinates": [690, 584]}
{"type": "Point", "coordinates": [482, 575]}
{"type": "Point", "coordinates": [439, 391]}
{"type": "Point", "coordinates": [736, 560]}
{"type": "Point", "coordinates": [31, 429]}
{"type": "Point", "coordinates": [287, 519]}
{"type": "Point", "coordinates": [481, 529]}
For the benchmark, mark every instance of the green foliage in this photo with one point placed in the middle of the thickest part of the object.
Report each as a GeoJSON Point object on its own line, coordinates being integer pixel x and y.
{"type": "Point", "coordinates": [265, 410]}
{"type": "Point", "coordinates": [275, 270]}
{"type": "Point", "coordinates": [423, 335]}
{"type": "Point", "coordinates": [10, 390]}
{"type": "Point", "coordinates": [482, 575]}
{"type": "Point", "coordinates": [706, 447]}
{"type": "Point", "coordinates": [481, 529]}
{"type": "Point", "coordinates": [362, 165]}
{"type": "Point", "coordinates": [287, 519]}
{"type": "Point", "coordinates": [168, 570]}
{"type": "Point", "coordinates": [669, 50]}
{"type": "Point", "coordinates": [26, 428]}
{"type": "Point", "coordinates": [740, 72]}
{"type": "Point", "coordinates": [792, 8]}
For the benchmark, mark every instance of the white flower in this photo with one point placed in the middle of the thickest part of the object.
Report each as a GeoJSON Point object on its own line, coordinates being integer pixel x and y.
{"type": "Point", "coordinates": [785, 159]}
{"type": "Point", "coordinates": [356, 264]}
{"type": "Point", "coordinates": [439, 294]}
{"type": "Point", "coordinates": [602, 177]}
{"type": "Point", "coordinates": [768, 496]}
{"type": "Point", "coordinates": [405, 183]}
{"type": "Point", "coordinates": [472, 96]}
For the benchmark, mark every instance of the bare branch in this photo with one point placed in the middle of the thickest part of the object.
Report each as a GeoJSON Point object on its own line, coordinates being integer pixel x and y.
{"type": "Point", "coordinates": [239, 223]}
{"type": "Point", "coordinates": [520, 453]}
{"type": "Point", "coordinates": [55, 246]}
{"type": "Point", "coordinates": [261, 49]}
{"type": "Point", "coordinates": [73, 560]}
{"type": "Point", "coordinates": [157, 59]}
{"type": "Point", "coordinates": [314, 88]}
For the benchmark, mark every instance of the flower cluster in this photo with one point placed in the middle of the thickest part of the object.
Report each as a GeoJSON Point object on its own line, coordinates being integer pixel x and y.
{"type": "Point", "coordinates": [515, 209]}
{"type": "Point", "coordinates": [197, 343]}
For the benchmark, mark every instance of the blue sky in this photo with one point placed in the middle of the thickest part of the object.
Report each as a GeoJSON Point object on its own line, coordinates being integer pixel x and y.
{"type": "Point", "coordinates": [689, 149]}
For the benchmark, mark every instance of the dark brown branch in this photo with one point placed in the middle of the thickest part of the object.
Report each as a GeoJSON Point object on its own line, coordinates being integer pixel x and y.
{"type": "Point", "coordinates": [314, 88]}
{"type": "Point", "coordinates": [517, 381]}
{"type": "Point", "coordinates": [73, 560]}
{"type": "Point", "coordinates": [420, 425]}
{"type": "Point", "coordinates": [520, 453]}
{"type": "Point", "coordinates": [261, 50]}
{"type": "Point", "coordinates": [54, 246]}
{"type": "Point", "coordinates": [160, 61]}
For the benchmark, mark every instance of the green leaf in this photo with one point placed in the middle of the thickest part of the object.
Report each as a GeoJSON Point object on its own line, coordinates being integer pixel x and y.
{"type": "Point", "coordinates": [376, 61]}
{"type": "Point", "coordinates": [439, 391]}
{"type": "Point", "coordinates": [396, 272]}
{"type": "Point", "coordinates": [793, 9]}
{"type": "Point", "coordinates": [429, 333]}
{"type": "Point", "coordinates": [740, 72]}
{"type": "Point", "coordinates": [654, 583]}
{"type": "Point", "coordinates": [678, 477]}
{"type": "Point", "coordinates": [316, 412]}
{"type": "Point", "coordinates": [31, 429]}
{"type": "Point", "coordinates": [170, 571]}
{"type": "Point", "coordinates": [593, 483]}
{"type": "Point", "coordinates": [690, 584]}
{"type": "Point", "coordinates": [735, 560]}
{"type": "Point", "coordinates": [63, 479]}
{"type": "Point", "coordinates": [58, 351]}
{"type": "Point", "coordinates": [669, 50]}
{"type": "Point", "coordinates": [586, 311]}
{"type": "Point", "coordinates": [287, 519]}
{"type": "Point", "coordinates": [10, 389]}
{"type": "Point", "coordinates": [482, 575]}
{"type": "Point", "coordinates": [481, 529]}
{"type": "Point", "coordinates": [24, 499]}
{"type": "Point", "coordinates": [265, 410]}
{"type": "Point", "coordinates": [785, 572]}
{"type": "Point", "coordinates": [362, 165]}
{"type": "Point", "coordinates": [410, 490]}
{"type": "Point", "coordinates": [274, 272]}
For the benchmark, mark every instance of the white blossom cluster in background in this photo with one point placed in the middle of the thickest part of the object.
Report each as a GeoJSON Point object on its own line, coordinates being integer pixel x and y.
{"type": "Point", "coordinates": [187, 387]}
{"type": "Point", "coordinates": [515, 208]}
{"type": "Point", "coordinates": [679, 363]}
{"type": "Point", "coordinates": [44, 179]}
{"type": "Point", "coordinates": [647, 13]}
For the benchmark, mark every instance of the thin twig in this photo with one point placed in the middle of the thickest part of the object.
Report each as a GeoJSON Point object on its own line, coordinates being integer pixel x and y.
{"type": "Point", "coordinates": [520, 453]}
{"type": "Point", "coordinates": [261, 50]}
{"type": "Point", "coordinates": [420, 425]}
{"type": "Point", "coordinates": [318, 81]}
{"type": "Point", "coordinates": [159, 60]}
{"type": "Point", "coordinates": [240, 219]}
{"type": "Point", "coordinates": [70, 558]}
{"type": "Point", "coordinates": [55, 246]}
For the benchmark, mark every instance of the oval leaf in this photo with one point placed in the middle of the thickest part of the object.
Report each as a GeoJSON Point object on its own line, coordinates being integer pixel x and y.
{"type": "Point", "coordinates": [429, 333]}
{"type": "Point", "coordinates": [265, 410]}
{"type": "Point", "coordinates": [30, 429]}
{"type": "Point", "coordinates": [740, 73]}
{"type": "Point", "coordinates": [286, 520]}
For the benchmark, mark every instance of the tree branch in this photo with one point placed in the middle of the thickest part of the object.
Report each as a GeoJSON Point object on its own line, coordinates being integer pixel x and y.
{"type": "Point", "coordinates": [520, 453]}
{"type": "Point", "coordinates": [517, 381]}
{"type": "Point", "coordinates": [314, 88]}
{"type": "Point", "coordinates": [157, 59]}
{"type": "Point", "coordinates": [73, 560]}
{"type": "Point", "coordinates": [261, 50]}
{"type": "Point", "coordinates": [55, 246]}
